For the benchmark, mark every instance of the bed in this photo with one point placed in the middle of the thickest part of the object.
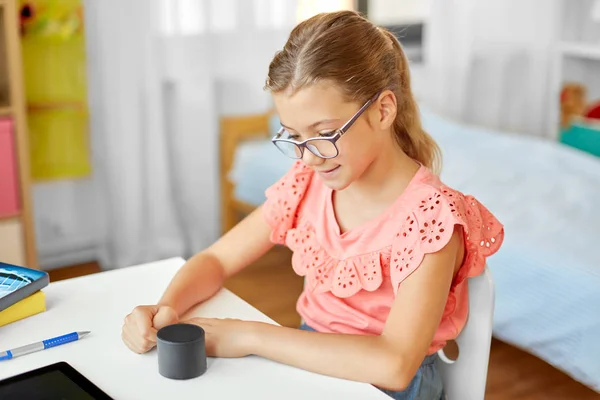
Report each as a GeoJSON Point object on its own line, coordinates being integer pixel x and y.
{"type": "Point", "coordinates": [547, 273]}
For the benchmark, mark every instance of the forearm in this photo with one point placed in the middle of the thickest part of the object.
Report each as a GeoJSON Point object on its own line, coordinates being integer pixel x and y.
{"type": "Point", "coordinates": [360, 358]}
{"type": "Point", "coordinates": [197, 280]}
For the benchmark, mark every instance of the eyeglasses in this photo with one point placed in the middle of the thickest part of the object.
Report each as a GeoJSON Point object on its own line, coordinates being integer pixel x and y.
{"type": "Point", "coordinates": [323, 147]}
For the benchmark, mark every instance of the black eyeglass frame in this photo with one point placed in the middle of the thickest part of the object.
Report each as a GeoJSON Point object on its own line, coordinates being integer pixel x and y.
{"type": "Point", "coordinates": [332, 139]}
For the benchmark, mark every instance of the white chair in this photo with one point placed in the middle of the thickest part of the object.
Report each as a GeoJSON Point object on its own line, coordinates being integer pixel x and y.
{"type": "Point", "coordinates": [465, 378]}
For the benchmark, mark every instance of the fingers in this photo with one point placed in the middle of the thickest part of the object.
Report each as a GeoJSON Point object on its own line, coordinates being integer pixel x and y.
{"type": "Point", "coordinates": [133, 341]}
{"type": "Point", "coordinates": [130, 344]}
{"type": "Point", "coordinates": [146, 332]}
{"type": "Point", "coordinates": [138, 333]}
{"type": "Point", "coordinates": [142, 319]}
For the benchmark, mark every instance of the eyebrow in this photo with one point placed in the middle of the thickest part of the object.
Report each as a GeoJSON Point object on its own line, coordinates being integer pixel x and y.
{"type": "Point", "coordinates": [324, 121]}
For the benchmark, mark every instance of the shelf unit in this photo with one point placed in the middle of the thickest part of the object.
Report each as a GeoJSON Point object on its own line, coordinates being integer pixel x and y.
{"type": "Point", "coordinates": [587, 51]}
{"type": "Point", "coordinates": [17, 229]}
{"type": "Point", "coordinates": [576, 56]}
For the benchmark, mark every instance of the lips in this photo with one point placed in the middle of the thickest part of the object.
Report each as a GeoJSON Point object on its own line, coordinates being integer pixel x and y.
{"type": "Point", "coordinates": [329, 170]}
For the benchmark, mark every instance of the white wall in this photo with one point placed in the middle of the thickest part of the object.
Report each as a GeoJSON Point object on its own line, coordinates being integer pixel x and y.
{"type": "Point", "coordinates": [65, 221]}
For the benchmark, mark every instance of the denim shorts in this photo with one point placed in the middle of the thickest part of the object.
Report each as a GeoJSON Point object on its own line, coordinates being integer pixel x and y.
{"type": "Point", "coordinates": [425, 385]}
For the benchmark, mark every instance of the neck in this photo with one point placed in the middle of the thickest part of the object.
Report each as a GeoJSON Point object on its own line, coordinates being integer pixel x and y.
{"type": "Point", "coordinates": [386, 178]}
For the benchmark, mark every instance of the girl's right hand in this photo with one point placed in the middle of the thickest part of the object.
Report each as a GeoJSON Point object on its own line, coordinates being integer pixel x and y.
{"type": "Point", "coordinates": [140, 326]}
{"type": "Point", "coordinates": [250, 239]}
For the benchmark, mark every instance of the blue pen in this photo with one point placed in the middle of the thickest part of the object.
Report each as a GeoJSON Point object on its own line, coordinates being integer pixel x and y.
{"type": "Point", "coordinates": [44, 344]}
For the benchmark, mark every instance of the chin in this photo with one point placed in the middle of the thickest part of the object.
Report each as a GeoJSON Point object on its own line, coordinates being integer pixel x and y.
{"type": "Point", "coordinates": [336, 185]}
{"type": "Point", "coordinates": [340, 182]}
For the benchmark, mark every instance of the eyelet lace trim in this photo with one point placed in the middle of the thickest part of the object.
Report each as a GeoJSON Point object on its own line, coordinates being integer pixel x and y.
{"type": "Point", "coordinates": [426, 230]}
{"type": "Point", "coordinates": [280, 208]}
{"type": "Point", "coordinates": [431, 226]}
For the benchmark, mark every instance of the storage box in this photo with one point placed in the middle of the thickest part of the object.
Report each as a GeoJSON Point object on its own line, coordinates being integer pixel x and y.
{"type": "Point", "coordinates": [583, 134]}
{"type": "Point", "coordinates": [9, 187]}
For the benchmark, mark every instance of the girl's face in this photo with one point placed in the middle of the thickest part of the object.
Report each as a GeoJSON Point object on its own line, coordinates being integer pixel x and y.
{"type": "Point", "coordinates": [320, 110]}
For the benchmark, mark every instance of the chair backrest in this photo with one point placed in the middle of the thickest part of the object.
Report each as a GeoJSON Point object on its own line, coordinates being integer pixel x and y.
{"type": "Point", "coordinates": [465, 378]}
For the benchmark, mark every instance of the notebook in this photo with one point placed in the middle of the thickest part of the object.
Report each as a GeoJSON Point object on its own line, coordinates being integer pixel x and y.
{"type": "Point", "coordinates": [18, 283]}
{"type": "Point", "coordinates": [34, 304]}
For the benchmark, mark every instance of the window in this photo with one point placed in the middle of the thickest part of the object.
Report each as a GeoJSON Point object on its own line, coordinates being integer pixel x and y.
{"type": "Point", "coordinates": [394, 12]}
{"type": "Point", "coordinates": [308, 8]}
{"type": "Point", "coordinates": [192, 17]}
{"type": "Point", "coordinates": [406, 18]}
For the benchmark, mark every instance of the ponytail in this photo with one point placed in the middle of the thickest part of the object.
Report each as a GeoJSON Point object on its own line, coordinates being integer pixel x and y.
{"type": "Point", "coordinates": [408, 131]}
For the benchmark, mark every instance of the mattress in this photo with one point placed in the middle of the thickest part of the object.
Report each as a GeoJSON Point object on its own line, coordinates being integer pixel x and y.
{"type": "Point", "coordinates": [547, 274]}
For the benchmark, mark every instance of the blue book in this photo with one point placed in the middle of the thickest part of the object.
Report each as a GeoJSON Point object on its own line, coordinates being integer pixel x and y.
{"type": "Point", "coordinates": [17, 283]}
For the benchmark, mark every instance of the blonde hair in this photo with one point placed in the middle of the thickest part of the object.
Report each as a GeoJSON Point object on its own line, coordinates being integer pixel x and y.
{"type": "Point", "coordinates": [345, 48]}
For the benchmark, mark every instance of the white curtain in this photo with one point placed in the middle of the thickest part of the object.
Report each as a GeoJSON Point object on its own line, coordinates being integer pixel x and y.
{"type": "Point", "coordinates": [489, 62]}
{"type": "Point", "coordinates": [161, 73]}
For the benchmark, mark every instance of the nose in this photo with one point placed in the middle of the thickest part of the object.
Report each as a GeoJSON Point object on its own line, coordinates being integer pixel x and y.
{"type": "Point", "coordinates": [310, 159]}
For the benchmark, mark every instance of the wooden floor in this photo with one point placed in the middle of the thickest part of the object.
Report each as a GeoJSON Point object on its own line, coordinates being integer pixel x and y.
{"type": "Point", "coordinates": [271, 286]}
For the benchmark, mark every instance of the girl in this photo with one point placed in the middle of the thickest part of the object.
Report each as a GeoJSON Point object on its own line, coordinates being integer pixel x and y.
{"type": "Point", "coordinates": [385, 246]}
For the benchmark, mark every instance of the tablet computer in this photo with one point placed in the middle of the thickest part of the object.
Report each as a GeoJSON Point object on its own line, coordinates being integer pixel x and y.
{"type": "Point", "coordinates": [58, 381]}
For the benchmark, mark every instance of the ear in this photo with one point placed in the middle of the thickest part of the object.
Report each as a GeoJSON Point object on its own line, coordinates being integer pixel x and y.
{"type": "Point", "coordinates": [386, 106]}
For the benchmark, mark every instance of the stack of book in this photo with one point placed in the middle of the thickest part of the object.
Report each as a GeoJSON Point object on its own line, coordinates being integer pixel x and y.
{"type": "Point", "coordinates": [20, 292]}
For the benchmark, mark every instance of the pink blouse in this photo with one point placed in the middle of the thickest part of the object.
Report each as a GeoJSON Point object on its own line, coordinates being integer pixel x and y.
{"type": "Point", "coordinates": [353, 277]}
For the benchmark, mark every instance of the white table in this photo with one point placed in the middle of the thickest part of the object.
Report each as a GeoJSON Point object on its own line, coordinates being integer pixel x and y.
{"type": "Point", "coordinates": [100, 302]}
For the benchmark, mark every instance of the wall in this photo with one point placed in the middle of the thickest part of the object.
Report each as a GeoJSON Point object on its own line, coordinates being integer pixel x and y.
{"type": "Point", "coordinates": [65, 221]}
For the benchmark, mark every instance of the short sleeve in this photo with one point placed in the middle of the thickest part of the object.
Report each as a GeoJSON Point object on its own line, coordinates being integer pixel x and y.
{"type": "Point", "coordinates": [428, 227]}
{"type": "Point", "coordinates": [283, 199]}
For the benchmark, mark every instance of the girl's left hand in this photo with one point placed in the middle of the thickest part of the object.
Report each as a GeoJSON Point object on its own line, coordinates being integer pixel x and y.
{"type": "Point", "coordinates": [225, 338]}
